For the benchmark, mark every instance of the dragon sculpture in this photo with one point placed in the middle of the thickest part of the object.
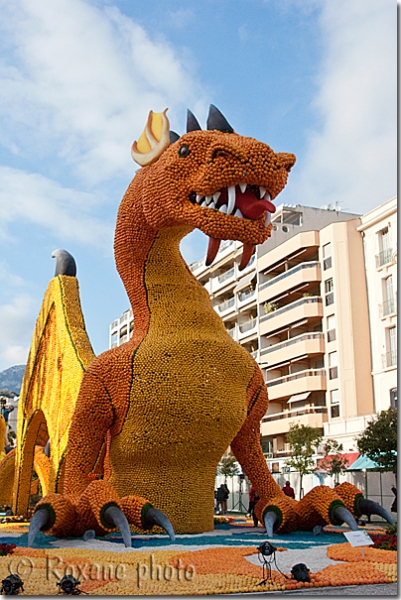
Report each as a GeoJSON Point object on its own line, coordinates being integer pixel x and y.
{"type": "Point", "coordinates": [159, 411]}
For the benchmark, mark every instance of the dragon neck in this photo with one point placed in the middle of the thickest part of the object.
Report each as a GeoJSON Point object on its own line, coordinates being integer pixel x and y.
{"type": "Point", "coordinates": [153, 271]}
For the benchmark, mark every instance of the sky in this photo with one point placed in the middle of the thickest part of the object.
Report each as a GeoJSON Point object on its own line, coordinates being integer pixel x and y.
{"type": "Point", "coordinates": [317, 78]}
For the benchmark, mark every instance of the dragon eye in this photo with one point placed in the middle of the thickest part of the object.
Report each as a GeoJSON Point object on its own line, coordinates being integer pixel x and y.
{"type": "Point", "coordinates": [183, 151]}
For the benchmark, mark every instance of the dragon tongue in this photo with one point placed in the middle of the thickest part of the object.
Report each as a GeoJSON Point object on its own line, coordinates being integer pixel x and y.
{"type": "Point", "coordinates": [212, 250]}
{"type": "Point", "coordinates": [251, 207]}
{"type": "Point", "coordinates": [246, 255]}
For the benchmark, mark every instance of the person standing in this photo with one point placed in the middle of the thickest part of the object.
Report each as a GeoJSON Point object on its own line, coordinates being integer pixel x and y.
{"type": "Point", "coordinates": [226, 498]}
{"type": "Point", "coordinates": [5, 410]}
{"type": "Point", "coordinates": [288, 490]}
{"type": "Point", "coordinates": [394, 504]}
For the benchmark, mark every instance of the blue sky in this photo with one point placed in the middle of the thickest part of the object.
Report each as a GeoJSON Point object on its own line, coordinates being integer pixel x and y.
{"type": "Point", "coordinates": [78, 78]}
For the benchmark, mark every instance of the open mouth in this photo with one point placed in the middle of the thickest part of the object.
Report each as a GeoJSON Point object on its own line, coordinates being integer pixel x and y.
{"type": "Point", "coordinates": [243, 201]}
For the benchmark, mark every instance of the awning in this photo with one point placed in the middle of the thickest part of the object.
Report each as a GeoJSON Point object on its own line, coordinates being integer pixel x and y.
{"type": "Point", "coordinates": [244, 281]}
{"type": "Point", "coordinates": [363, 462]}
{"type": "Point", "coordinates": [352, 458]}
{"type": "Point", "coordinates": [299, 397]}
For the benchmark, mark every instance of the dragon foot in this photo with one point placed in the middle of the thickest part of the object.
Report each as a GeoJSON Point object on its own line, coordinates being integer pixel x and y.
{"type": "Point", "coordinates": [343, 515]}
{"type": "Point", "coordinates": [115, 517]}
{"type": "Point", "coordinates": [153, 516]}
{"type": "Point", "coordinates": [39, 520]}
{"type": "Point", "coordinates": [368, 507]}
{"type": "Point", "coordinates": [270, 519]}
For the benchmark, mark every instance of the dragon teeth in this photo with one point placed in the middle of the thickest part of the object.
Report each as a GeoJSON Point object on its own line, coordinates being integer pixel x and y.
{"type": "Point", "coordinates": [204, 204]}
{"type": "Point", "coordinates": [231, 199]}
{"type": "Point", "coordinates": [199, 198]}
{"type": "Point", "coordinates": [268, 218]}
{"type": "Point", "coordinates": [212, 205]}
{"type": "Point", "coordinates": [267, 197]}
{"type": "Point", "coordinates": [216, 196]}
{"type": "Point", "coordinates": [238, 214]}
{"type": "Point", "coordinates": [223, 209]}
{"type": "Point", "coordinates": [208, 199]}
{"type": "Point", "coordinates": [262, 191]}
{"type": "Point", "coordinates": [242, 186]}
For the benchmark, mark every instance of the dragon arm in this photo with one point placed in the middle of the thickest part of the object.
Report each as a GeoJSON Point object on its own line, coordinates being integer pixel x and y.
{"type": "Point", "coordinates": [247, 449]}
{"type": "Point", "coordinates": [94, 415]}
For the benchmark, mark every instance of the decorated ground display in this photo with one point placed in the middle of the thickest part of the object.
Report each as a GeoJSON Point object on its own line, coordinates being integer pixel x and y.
{"type": "Point", "coordinates": [131, 439]}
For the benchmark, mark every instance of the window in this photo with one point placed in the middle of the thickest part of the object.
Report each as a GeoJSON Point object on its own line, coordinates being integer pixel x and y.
{"type": "Point", "coordinates": [388, 296]}
{"type": "Point", "coordinates": [333, 365]}
{"type": "Point", "coordinates": [327, 256]}
{"type": "Point", "coordinates": [391, 346]}
{"type": "Point", "coordinates": [384, 255]}
{"type": "Point", "coordinates": [393, 398]}
{"type": "Point", "coordinates": [334, 403]}
{"type": "Point", "coordinates": [328, 291]}
{"type": "Point", "coordinates": [331, 328]}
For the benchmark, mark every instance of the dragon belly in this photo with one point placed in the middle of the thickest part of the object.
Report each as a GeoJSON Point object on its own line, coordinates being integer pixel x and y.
{"type": "Point", "coordinates": [182, 417]}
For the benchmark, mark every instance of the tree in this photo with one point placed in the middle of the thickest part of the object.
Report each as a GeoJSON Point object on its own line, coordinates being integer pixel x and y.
{"type": "Point", "coordinates": [228, 467]}
{"type": "Point", "coordinates": [333, 463]}
{"type": "Point", "coordinates": [303, 439]}
{"type": "Point", "coordinates": [379, 440]}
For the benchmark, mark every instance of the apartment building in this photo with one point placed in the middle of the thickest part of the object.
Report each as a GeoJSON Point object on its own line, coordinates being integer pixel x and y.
{"type": "Point", "coordinates": [285, 308]}
{"type": "Point", "coordinates": [379, 233]}
{"type": "Point", "coordinates": [121, 329]}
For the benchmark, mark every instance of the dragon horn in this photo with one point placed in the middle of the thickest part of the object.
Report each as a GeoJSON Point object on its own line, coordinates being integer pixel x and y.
{"type": "Point", "coordinates": [343, 515]}
{"type": "Point", "coordinates": [154, 516]}
{"type": "Point", "coordinates": [192, 122]}
{"type": "Point", "coordinates": [217, 121]}
{"type": "Point", "coordinates": [39, 520]}
{"type": "Point", "coordinates": [116, 518]}
{"type": "Point", "coordinates": [154, 140]}
{"type": "Point", "coordinates": [173, 137]}
{"type": "Point", "coordinates": [368, 507]}
{"type": "Point", "coordinates": [270, 520]}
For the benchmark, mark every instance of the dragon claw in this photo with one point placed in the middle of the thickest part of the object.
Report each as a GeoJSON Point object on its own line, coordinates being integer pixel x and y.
{"type": "Point", "coordinates": [270, 520]}
{"type": "Point", "coordinates": [38, 521]}
{"type": "Point", "coordinates": [116, 518]}
{"type": "Point", "coordinates": [155, 516]}
{"type": "Point", "coordinates": [343, 515]}
{"type": "Point", "coordinates": [368, 507]}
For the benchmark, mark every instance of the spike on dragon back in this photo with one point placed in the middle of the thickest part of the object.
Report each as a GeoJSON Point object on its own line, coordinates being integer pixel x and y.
{"type": "Point", "coordinates": [155, 415]}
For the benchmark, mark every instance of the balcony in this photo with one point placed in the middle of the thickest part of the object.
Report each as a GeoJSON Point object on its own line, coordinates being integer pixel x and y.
{"type": "Point", "coordinates": [247, 328]}
{"type": "Point", "coordinates": [389, 359]}
{"type": "Point", "coordinates": [388, 307]}
{"type": "Point", "coordinates": [279, 423]}
{"type": "Point", "coordinates": [384, 258]}
{"type": "Point", "coordinates": [306, 343]}
{"type": "Point", "coordinates": [301, 309]}
{"type": "Point", "coordinates": [296, 383]}
{"type": "Point", "coordinates": [226, 307]}
{"type": "Point", "coordinates": [245, 297]}
{"type": "Point", "coordinates": [233, 332]}
{"type": "Point", "coordinates": [219, 282]}
{"type": "Point", "coordinates": [303, 273]}
{"type": "Point", "coordinates": [197, 265]}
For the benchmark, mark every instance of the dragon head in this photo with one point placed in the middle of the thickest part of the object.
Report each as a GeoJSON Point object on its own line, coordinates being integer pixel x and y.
{"type": "Point", "coordinates": [215, 180]}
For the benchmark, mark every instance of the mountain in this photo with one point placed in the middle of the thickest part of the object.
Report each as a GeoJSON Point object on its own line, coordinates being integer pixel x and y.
{"type": "Point", "coordinates": [11, 378]}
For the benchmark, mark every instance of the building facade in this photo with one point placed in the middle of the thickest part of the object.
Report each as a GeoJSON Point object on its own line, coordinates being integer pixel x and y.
{"type": "Point", "coordinates": [379, 234]}
{"type": "Point", "coordinates": [121, 329]}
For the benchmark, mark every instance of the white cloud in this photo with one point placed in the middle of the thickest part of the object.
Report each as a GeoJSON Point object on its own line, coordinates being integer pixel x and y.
{"type": "Point", "coordinates": [79, 82]}
{"type": "Point", "coordinates": [16, 318]}
{"type": "Point", "coordinates": [66, 213]}
{"type": "Point", "coordinates": [352, 158]}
